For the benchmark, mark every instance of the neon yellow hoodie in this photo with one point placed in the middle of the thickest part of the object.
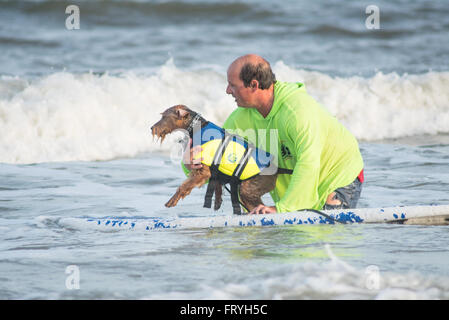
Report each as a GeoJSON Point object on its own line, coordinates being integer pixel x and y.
{"type": "Point", "coordinates": [323, 154]}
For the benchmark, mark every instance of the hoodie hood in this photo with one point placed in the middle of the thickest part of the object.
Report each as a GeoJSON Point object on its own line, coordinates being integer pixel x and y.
{"type": "Point", "coordinates": [282, 91]}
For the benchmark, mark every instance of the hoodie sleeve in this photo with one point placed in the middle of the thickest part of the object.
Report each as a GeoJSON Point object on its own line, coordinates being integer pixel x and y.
{"type": "Point", "coordinates": [303, 129]}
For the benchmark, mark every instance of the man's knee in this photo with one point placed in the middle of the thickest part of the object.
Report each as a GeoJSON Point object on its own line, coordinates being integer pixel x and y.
{"type": "Point", "coordinates": [344, 198]}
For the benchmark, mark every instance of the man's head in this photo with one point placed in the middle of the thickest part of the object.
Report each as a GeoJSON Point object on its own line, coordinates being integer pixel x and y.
{"type": "Point", "coordinates": [250, 80]}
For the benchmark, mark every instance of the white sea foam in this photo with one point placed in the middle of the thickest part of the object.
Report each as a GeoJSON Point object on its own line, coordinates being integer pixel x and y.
{"type": "Point", "coordinates": [87, 117]}
{"type": "Point", "coordinates": [333, 280]}
{"type": "Point", "coordinates": [383, 106]}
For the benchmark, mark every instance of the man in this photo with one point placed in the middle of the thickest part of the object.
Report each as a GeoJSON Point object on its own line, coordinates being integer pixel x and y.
{"type": "Point", "coordinates": [324, 156]}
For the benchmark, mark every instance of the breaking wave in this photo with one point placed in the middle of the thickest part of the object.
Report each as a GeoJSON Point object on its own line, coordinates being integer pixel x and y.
{"type": "Point", "coordinates": [86, 117]}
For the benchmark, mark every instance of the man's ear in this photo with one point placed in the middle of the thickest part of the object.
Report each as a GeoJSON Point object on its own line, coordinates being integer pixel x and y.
{"type": "Point", "coordinates": [254, 84]}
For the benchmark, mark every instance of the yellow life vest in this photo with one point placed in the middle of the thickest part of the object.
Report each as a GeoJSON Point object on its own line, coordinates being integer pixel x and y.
{"type": "Point", "coordinates": [231, 160]}
{"type": "Point", "coordinates": [232, 154]}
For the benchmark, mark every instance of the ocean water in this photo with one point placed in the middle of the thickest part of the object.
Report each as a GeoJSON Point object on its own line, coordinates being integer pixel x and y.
{"type": "Point", "coordinates": [75, 111]}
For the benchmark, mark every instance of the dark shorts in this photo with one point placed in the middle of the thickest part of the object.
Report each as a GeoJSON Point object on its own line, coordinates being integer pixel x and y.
{"type": "Point", "coordinates": [348, 195]}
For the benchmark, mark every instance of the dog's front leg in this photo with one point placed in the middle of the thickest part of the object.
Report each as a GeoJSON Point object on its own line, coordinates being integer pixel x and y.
{"type": "Point", "coordinates": [197, 178]}
{"type": "Point", "coordinates": [252, 190]}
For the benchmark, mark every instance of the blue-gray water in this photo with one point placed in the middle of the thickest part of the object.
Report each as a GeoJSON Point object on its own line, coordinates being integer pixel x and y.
{"type": "Point", "coordinates": [328, 36]}
{"type": "Point", "coordinates": [75, 107]}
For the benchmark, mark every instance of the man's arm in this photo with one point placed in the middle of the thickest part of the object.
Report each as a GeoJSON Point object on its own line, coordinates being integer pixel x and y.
{"type": "Point", "coordinates": [190, 160]}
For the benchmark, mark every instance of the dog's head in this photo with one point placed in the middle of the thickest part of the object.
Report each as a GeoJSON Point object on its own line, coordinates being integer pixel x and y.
{"type": "Point", "coordinates": [176, 117]}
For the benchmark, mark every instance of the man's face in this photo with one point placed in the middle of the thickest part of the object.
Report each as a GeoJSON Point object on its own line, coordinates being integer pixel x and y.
{"type": "Point", "coordinates": [243, 95]}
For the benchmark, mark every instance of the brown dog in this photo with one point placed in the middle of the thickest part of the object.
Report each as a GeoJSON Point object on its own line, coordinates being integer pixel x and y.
{"type": "Point", "coordinates": [250, 191]}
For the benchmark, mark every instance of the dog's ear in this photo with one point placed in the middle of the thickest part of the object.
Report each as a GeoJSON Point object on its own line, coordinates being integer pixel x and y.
{"type": "Point", "coordinates": [181, 113]}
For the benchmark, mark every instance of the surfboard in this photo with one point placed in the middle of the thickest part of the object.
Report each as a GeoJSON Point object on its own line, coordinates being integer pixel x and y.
{"type": "Point", "coordinates": [421, 215]}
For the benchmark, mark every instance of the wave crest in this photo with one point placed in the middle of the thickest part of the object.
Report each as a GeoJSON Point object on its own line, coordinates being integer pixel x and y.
{"type": "Point", "coordinates": [87, 117]}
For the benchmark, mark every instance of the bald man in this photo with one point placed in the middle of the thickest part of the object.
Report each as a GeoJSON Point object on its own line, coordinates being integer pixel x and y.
{"type": "Point", "coordinates": [324, 156]}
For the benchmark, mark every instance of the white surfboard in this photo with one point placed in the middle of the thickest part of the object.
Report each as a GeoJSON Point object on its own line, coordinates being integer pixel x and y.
{"type": "Point", "coordinates": [424, 215]}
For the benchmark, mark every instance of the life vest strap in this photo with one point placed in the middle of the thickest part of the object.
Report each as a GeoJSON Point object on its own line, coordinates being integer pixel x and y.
{"type": "Point", "coordinates": [235, 197]}
{"type": "Point", "coordinates": [234, 180]}
{"type": "Point", "coordinates": [284, 171]}
{"type": "Point", "coordinates": [209, 192]}
{"type": "Point", "coordinates": [214, 179]}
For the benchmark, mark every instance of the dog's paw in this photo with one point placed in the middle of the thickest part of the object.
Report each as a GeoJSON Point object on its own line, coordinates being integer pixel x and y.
{"type": "Point", "coordinates": [217, 204]}
{"type": "Point", "coordinates": [172, 202]}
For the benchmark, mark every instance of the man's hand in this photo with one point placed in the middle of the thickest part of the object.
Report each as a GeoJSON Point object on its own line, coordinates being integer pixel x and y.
{"type": "Point", "coordinates": [189, 154]}
{"type": "Point", "coordinates": [261, 209]}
